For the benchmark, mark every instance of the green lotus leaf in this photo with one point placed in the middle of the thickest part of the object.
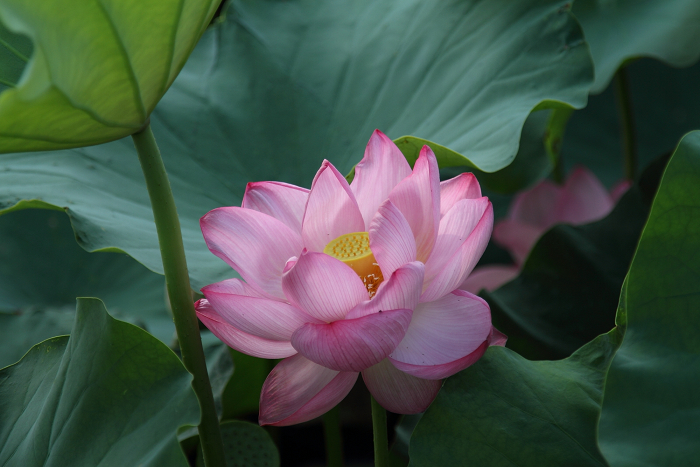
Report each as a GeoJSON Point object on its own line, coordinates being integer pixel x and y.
{"type": "Point", "coordinates": [97, 69]}
{"type": "Point", "coordinates": [42, 270]}
{"type": "Point", "coordinates": [505, 410]}
{"type": "Point", "coordinates": [110, 394]}
{"type": "Point", "coordinates": [621, 30]}
{"type": "Point", "coordinates": [259, 101]}
{"type": "Point", "coordinates": [540, 143]}
{"type": "Point", "coordinates": [651, 397]}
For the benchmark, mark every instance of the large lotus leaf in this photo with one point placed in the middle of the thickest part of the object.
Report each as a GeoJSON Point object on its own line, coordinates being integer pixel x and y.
{"type": "Point", "coordinates": [97, 68]}
{"type": "Point", "coordinates": [568, 289]}
{"type": "Point", "coordinates": [533, 162]}
{"type": "Point", "coordinates": [110, 394]}
{"type": "Point", "coordinates": [42, 271]}
{"type": "Point", "coordinates": [665, 107]}
{"type": "Point", "coordinates": [620, 30]}
{"type": "Point", "coordinates": [279, 86]}
{"type": "Point", "coordinates": [507, 411]}
{"type": "Point", "coordinates": [651, 400]}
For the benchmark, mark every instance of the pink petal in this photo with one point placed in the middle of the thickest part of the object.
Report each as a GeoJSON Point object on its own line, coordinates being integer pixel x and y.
{"type": "Point", "coordinates": [239, 340]}
{"type": "Point", "coordinates": [583, 200]}
{"type": "Point", "coordinates": [263, 317]}
{"type": "Point", "coordinates": [391, 239]}
{"type": "Point", "coordinates": [282, 201]}
{"type": "Point", "coordinates": [464, 233]}
{"type": "Point", "coordinates": [397, 391]}
{"type": "Point", "coordinates": [323, 286]}
{"type": "Point", "coordinates": [298, 390]}
{"type": "Point", "coordinates": [463, 186]}
{"type": "Point", "coordinates": [418, 199]}
{"type": "Point", "coordinates": [254, 244]}
{"type": "Point", "coordinates": [517, 238]}
{"type": "Point", "coordinates": [379, 171]}
{"type": "Point", "coordinates": [234, 286]}
{"type": "Point", "coordinates": [352, 344]}
{"type": "Point", "coordinates": [536, 207]}
{"type": "Point", "coordinates": [497, 338]}
{"type": "Point", "coordinates": [489, 277]}
{"type": "Point", "coordinates": [619, 189]}
{"type": "Point", "coordinates": [401, 291]}
{"type": "Point", "coordinates": [443, 332]}
{"type": "Point", "coordinates": [444, 370]}
{"type": "Point", "coordinates": [331, 210]}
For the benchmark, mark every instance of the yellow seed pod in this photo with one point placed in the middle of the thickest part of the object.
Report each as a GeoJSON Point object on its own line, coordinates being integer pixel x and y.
{"type": "Point", "coordinates": [353, 250]}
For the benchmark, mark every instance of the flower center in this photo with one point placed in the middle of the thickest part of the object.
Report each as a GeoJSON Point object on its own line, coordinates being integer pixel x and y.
{"type": "Point", "coordinates": [353, 250]}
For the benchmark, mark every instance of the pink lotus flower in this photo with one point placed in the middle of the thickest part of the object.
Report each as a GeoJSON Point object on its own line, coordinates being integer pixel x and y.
{"type": "Point", "coordinates": [582, 199]}
{"type": "Point", "coordinates": [343, 279]}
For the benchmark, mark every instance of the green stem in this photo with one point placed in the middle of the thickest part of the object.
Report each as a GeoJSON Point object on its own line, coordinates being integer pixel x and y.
{"type": "Point", "coordinates": [177, 282]}
{"type": "Point", "coordinates": [381, 440]}
{"type": "Point", "coordinates": [334, 441]}
{"type": "Point", "coordinates": [554, 138]}
{"type": "Point", "coordinates": [558, 172]}
{"type": "Point", "coordinates": [624, 107]}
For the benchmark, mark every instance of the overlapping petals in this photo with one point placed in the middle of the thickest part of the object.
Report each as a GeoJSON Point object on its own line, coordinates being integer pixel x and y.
{"type": "Point", "coordinates": [331, 209]}
{"type": "Point", "coordinates": [323, 286]}
{"type": "Point", "coordinates": [298, 389]}
{"type": "Point", "coordinates": [321, 316]}
{"type": "Point", "coordinates": [462, 238]}
{"type": "Point", "coordinates": [391, 239]}
{"type": "Point", "coordinates": [398, 391]}
{"type": "Point", "coordinates": [235, 338]}
{"type": "Point", "coordinates": [382, 168]}
{"type": "Point", "coordinates": [418, 198]}
{"type": "Point", "coordinates": [443, 334]}
{"type": "Point", "coordinates": [282, 201]}
{"type": "Point", "coordinates": [353, 344]}
{"type": "Point", "coordinates": [256, 245]}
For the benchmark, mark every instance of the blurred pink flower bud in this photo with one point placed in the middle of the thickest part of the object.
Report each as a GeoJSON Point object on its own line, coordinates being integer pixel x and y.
{"type": "Point", "coordinates": [582, 199]}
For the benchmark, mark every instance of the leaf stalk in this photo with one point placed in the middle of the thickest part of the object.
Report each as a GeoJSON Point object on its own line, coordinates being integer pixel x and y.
{"type": "Point", "coordinates": [381, 440]}
{"type": "Point", "coordinates": [334, 440]}
{"type": "Point", "coordinates": [179, 291]}
{"type": "Point", "coordinates": [624, 107]}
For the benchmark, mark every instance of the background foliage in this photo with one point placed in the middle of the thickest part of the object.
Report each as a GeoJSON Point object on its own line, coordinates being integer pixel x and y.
{"type": "Point", "coordinates": [511, 91]}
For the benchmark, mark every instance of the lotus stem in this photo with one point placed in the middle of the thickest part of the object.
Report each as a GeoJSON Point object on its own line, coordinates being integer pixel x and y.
{"type": "Point", "coordinates": [624, 107]}
{"type": "Point", "coordinates": [334, 440]}
{"type": "Point", "coordinates": [381, 441]}
{"type": "Point", "coordinates": [554, 139]}
{"type": "Point", "coordinates": [179, 292]}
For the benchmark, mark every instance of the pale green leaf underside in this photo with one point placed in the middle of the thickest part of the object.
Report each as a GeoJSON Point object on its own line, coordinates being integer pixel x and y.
{"type": "Point", "coordinates": [258, 100]}
{"type": "Point", "coordinates": [109, 395]}
{"type": "Point", "coordinates": [98, 67]}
